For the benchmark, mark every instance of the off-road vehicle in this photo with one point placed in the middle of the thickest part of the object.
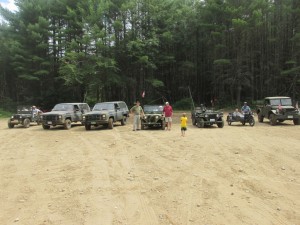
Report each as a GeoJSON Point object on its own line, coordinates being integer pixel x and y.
{"type": "Point", "coordinates": [106, 113]}
{"type": "Point", "coordinates": [153, 117]}
{"type": "Point", "coordinates": [64, 114]}
{"type": "Point", "coordinates": [24, 116]}
{"type": "Point", "coordinates": [278, 109]}
{"type": "Point", "coordinates": [202, 117]}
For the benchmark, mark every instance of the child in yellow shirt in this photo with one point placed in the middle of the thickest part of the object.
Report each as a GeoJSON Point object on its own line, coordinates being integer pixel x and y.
{"type": "Point", "coordinates": [183, 120]}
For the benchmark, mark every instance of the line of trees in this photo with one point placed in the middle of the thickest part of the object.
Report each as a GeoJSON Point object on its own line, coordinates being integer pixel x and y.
{"type": "Point", "coordinates": [100, 50]}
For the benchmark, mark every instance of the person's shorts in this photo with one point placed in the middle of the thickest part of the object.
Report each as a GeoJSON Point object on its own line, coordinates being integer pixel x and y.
{"type": "Point", "coordinates": [168, 119]}
{"type": "Point", "coordinates": [183, 128]}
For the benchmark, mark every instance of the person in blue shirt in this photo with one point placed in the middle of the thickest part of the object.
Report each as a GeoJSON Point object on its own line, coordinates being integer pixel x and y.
{"type": "Point", "coordinates": [245, 108]}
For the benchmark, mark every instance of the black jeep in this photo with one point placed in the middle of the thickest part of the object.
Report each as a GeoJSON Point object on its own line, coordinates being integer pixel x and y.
{"type": "Point", "coordinates": [202, 117]}
{"type": "Point", "coordinates": [24, 116]}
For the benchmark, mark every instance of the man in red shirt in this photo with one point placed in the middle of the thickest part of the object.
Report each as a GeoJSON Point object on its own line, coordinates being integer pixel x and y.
{"type": "Point", "coordinates": [168, 113]}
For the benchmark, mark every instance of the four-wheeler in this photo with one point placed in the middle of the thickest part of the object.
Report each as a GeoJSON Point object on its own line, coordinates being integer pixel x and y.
{"type": "Point", "coordinates": [241, 118]}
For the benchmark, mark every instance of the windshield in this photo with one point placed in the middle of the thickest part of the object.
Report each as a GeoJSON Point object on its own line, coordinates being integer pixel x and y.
{"type": "Point", "coordinates": [63, 107]}
{"type": "Point", "coordinates": [283, 102]}
{"type": "Point", "coordinates": [103, 106]}
{"type": "Point", "coordinates": [153, 109]}
{"type": "Point", "coordinates": [24, 109]}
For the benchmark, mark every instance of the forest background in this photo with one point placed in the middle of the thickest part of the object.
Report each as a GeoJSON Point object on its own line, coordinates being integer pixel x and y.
{"type": "Point", "coordinates": [229, 51]}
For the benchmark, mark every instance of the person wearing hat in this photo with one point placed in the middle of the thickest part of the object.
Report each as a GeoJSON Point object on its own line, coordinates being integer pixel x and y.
{"type": "Point", "coordinates": [168, 113]}
{"type": "Point", "coordinates": [35, 111]}
{"type": "Point", "coordinates": [137, 112]}
{"type": "Point", "coordinates": [245, 108]}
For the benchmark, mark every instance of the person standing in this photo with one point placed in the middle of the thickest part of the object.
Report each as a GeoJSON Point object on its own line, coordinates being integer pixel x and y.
{"type": "Point", "coordinates": [245, 108]}
{"type": "Point", "coordinates": [168, 113]}
{"type": "Point", "coordinates": [183, 120]}
{"type": "Point", "coordinates": [137, 111]}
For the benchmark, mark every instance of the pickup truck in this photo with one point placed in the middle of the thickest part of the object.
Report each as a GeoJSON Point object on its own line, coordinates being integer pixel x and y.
{"type": "Point", "coordinates": [278, 109]}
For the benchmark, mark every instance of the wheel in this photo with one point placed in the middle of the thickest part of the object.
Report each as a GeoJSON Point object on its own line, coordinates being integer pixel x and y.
{"type": "Point", "coordinates": [110, 123]}
{"type": "Point", "coordinates": [10, 125]}
{"type": "Point", "coordinates": [26, 123]}
{"type": "Point", "coordinates": [221, 125]}
{"type": "Point", "coordinates": [142, 125]}
{"type": "Point", "coordinates": [46, 127]}
{"type": "Point", "coordinates": [193, 121]}
{"type": "Point", "coordinates": [124, 120]}
{"type": "Point", "coordinates": [260, 117]}
{"type": "Point", "coordinates": [252, 122]}
{"type": "Point", "coordinates": [296, 121]}
{"type": "Point", "coordinates": [87, 126]}
{"type": "Point", "coordinates": [200, 123]}
{"type": "Point", "coordinates": [273, 120]}
{"type": "Point", "coordinates": [67, 124]}
{"type": "Point", "coordinates": [163, 125]}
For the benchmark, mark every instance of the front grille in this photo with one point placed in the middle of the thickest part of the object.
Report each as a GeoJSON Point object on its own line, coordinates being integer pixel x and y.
{"type": "Point", "coordinates": [16, 117]}
{"type": "Point", "coordinates": [152, 119]}
{"type": "Point", "coordinates": [50, 117]}
{"type": "Point", "coordinates": [93, 117]}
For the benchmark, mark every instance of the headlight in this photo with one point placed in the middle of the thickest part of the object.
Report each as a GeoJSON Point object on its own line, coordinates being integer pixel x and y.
{"type": "Point", "coordinates": [206, 115]}
{"type": "Point", "coordinates": [217, 115]}
{"type": "Point", "coordinates": [41, 117]}
{"type": "Point", "coordinates": [103, 116]}
{"type": "Point", "coordinates": [83, 117]}
{"type": "Point", "coordinates": [59, 117]}
{"type": "Point", "coordinates": [156, 117]}
{"type": "Point", "coordinates": [20, 117]}
{"type": "Point", "coordinates": [12, 117]}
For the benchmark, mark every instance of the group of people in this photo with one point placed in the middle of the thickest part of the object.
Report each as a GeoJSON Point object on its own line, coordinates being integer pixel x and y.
{"type": "Point", "coordinates": [137, 112]}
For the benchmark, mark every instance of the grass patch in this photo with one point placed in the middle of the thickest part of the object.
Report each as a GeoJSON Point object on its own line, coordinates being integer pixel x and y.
{"type": "Point", "coordinates": [4, 114]}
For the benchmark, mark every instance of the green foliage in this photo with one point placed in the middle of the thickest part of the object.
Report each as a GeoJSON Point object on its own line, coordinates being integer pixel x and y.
{"type": "Point", "coordinates": [183, 104]}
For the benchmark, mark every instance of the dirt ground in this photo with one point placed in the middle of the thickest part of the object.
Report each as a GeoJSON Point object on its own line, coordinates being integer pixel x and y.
{"type": "Point", "coordinates": [235, 175]}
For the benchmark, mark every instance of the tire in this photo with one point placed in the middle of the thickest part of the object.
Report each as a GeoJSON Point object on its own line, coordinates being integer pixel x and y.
{"type": "Point", "coordinates": [110, 123]}
{"type": "Point", "coordinates": [68, 124]}
{"type": "Point", "coordinates": [200, 123]}
{"type": "Point", "coordinates": [87, 126]}
{"type": "Point", "coordinates": [10, 125]}
{"type": "Point", "coordinates": [273, 120]}
{"type": "Point", "coordinates": [193, 121]}
{"type": "Point", "coordinates": [252, 122]}
{"type": "Point", "coordinates": [260, 117]}
{"type": "Point", "coordinates": [26, 123]}
{"type": "Point", "coordinates": [296, 121]}
{"type": "Point", "coordinates": [163, 125]}
{"type": "Point", "coordinates": [221, 125]}
{"type": "Point", "coordinates": [46, 127]}
{"type": "Point", "coordinates": [142, 125]}
{"type": "Point", "coordinates": [124, 121]}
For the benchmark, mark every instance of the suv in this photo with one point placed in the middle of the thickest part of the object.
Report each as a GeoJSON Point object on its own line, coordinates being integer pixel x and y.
{"type": "Point", "coordinates": [153, 117]}
{"type": "Point", "coordinates": [23, 116]}
{"type": "Point", "coordinates": [278, 109]}
{"type": "Point", "coordinates": [202, 117]}
{"type": "Point", "coordinates": [106, 113]}
{"type": "Point", "coordinates": [64, 114]}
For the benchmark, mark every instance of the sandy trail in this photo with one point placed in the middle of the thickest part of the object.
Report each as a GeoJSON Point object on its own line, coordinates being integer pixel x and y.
{"type": "Point", "coordinates": [234, 175]}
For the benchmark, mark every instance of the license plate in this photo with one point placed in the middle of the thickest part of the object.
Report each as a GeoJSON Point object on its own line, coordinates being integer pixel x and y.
{"type": "Point", "coordinates": [290, 117]}
{"type": "Point", "coordinates": [212, 120]}
{"type": "Point", "coordinates": [93, 122]}
{"type": "Point", "coordinates": [49, 122]}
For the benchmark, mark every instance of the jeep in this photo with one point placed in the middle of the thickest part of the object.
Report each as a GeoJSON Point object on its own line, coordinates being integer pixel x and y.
{"type": "Point", "coordinates": [24, 116]}
{"type": "Point", "coordinates": [278, 109]}
{"type": "Point", "coordinates": [105, 114]}
{"type": "Point", "coordinates": [202, 117]}
{"type": "Point", "coordinates": [64, 114]}
{"type": "Point", "coordinates": [153, 117]}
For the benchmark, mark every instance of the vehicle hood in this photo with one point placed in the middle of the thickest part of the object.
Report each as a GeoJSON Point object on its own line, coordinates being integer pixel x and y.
{"type": "Point", "coordinates": [98, 112]}
{"type": "Point", "coordinates": [57, 113]}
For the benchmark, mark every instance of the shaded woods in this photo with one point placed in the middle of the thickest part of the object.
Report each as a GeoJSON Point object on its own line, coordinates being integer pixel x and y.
{"type": "Point", "coordinates": [100, 50]}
